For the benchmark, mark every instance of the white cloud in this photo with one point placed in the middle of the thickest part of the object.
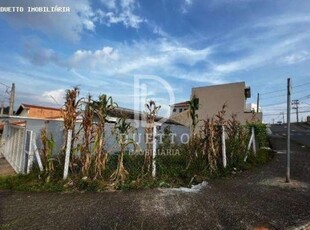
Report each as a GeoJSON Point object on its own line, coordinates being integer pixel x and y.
{"type": "Point", "coordinates": [56, 97]}
{"type": "Point", "coordinates": [69, 25]}
{"type": "Point", "coordinates": [149, 57]}
{"type": "Point", "coordinates": [189, 2]}
{"type": "Point", "coordinates": [283, 20]}
{"type": "Point", "coordinates": [110, 4]}
{"type": "Point", "coordinates": [93, 59]}
{"type": "Point", "coordinates": [296, 58]}
{"type": "Point", "coordinates": [260, 57]}
{"type": "Point", "coordinates": [158, 30]}
{"type": "Point", "coordinates": [220, 3]}
{"type": "Point", "coordinates": [185, 6]}
{"type": "Point", "coordinates": [120, 11]}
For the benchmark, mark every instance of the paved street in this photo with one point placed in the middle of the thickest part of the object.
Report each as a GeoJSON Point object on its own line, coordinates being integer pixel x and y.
{"type": "Point", "coordinates": [254, 199]}
{"type": "Point", "coordinates": [299, 132]}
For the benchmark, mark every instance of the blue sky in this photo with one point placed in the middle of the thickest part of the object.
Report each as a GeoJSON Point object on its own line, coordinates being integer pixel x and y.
{"type": "Point", "coordinates": [103, 46]}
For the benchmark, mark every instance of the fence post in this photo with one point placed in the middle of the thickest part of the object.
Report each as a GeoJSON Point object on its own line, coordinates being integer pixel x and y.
{"type": "Point", "coordinates": [36, 152]}
{"type": "Point", "coordinates": [250, 143]}
{"type": "Point", "coordinates": [254, 141]}
{"type": "Point", "coordinates": [224, 147]}
{"type": "Point", "coordinates": [4, 139]}
{"type": "Point", "coordinates": [154, 152]}
{"type": "Point", "coordinates": [30, 153]}
{"type": "Point", "coordinates": [68, 150]}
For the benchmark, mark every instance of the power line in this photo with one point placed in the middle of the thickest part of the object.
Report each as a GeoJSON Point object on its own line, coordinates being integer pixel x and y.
{"type": "Point", "coordinates": [280, 90]}
{"type": "Point", "coordinates": [275, 114]}
{"type": "Point", "coordinates": [279, 103]}
{"type": "Point", "coordinates": [273, 91]}
{"type": "Point", "coordinates": [284, 95]}
{"type": "Point", "coordinates": [308, 96]}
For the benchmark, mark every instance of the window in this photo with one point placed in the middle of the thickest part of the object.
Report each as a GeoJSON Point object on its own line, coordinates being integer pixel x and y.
{"type": "Point", "coordinates": [180, 110]}
{"type": "Point", "coordinates": [174, 110]}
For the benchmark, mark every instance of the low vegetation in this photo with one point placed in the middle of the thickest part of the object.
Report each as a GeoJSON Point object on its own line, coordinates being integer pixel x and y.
{"type": "Point", "coordinates": [93, 168]}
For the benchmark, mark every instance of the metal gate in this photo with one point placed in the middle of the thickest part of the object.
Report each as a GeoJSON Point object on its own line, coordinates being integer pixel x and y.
{"type": "Point", "coordinates": [13, 146]}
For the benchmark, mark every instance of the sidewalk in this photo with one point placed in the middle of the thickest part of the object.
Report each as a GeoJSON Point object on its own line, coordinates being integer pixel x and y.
{"type": "Point", "coordinates": [255, 199]}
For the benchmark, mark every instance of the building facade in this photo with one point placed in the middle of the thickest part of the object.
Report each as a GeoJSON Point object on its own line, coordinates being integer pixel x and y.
{"type": "Point", "coordinates": [178, 108]}
{"type": "Point", "coordinates": [212, 98]}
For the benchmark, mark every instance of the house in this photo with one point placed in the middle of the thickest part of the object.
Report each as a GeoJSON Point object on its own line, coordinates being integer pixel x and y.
{"type": "Point", "coordinates": [178, 108]}
{"type": "Point", "coordinates": [212, 98]}
{"type": "Point", "coordinates": [27, 126]}
{"type": "Point", "coordinates": [37, 111]}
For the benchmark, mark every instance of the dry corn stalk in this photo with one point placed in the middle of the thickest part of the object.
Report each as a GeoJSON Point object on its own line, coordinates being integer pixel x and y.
{"type": "Point", "coordinates": [102, 108]}
{"type": "Point", "coordinates": [212, 132]}
{"type": "Point", "coordinates": [122, 129]}
{"type": "Point", "coordinates": [48, 145]}
{"type": "Point", "coordinates": [151, 112]}
{"type": "Point", "coordinates": [88, 136]}
{"type": "Point", "coordinates": [70, 113]}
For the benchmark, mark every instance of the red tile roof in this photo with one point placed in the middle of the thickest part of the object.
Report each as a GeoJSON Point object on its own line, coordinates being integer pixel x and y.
{"type": "Point", "coordinates": [180, 104]}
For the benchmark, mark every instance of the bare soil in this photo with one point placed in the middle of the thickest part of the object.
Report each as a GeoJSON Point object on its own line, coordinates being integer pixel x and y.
{"type": "Point", "coordinates": [5, 168]}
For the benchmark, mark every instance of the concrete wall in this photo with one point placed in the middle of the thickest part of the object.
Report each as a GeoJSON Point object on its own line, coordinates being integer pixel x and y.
{"type": "Point", "coordinates": [44, 113]}
{"type": "Point", "coordinates": [56, 129]}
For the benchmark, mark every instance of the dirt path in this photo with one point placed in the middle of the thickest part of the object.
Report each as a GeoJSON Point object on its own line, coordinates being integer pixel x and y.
{"type": "Point", "coordinates": [252, 199]}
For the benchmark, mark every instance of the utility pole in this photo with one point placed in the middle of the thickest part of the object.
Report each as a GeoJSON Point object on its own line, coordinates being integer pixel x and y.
{"type": "Point", "coordinates": [12, 99]}
{"type": "Point", "coordinates": [257, 109]}
{"type": "Point", "coordinates": [295, 104]}
{"type": "Point", "coordinates": [288, 151]}
{"type": "Point", "coordinates": [2, 108]}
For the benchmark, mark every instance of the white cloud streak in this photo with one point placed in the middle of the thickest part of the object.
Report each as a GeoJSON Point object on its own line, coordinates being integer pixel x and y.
{"type": "Point", "coordinates": [284, 20]}
{"type": "Point", "coordinates": [120, 12]}
{"type": "Point", "coordinates": [53, 97]}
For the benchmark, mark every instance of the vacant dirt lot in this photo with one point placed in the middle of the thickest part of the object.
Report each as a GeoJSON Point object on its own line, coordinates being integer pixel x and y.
{"type": "Point", "coordinates": [253, 199]}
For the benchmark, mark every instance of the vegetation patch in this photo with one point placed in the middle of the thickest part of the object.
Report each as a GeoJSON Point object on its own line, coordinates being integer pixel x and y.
{"type": "Point", "coordinates": [93, 168]}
